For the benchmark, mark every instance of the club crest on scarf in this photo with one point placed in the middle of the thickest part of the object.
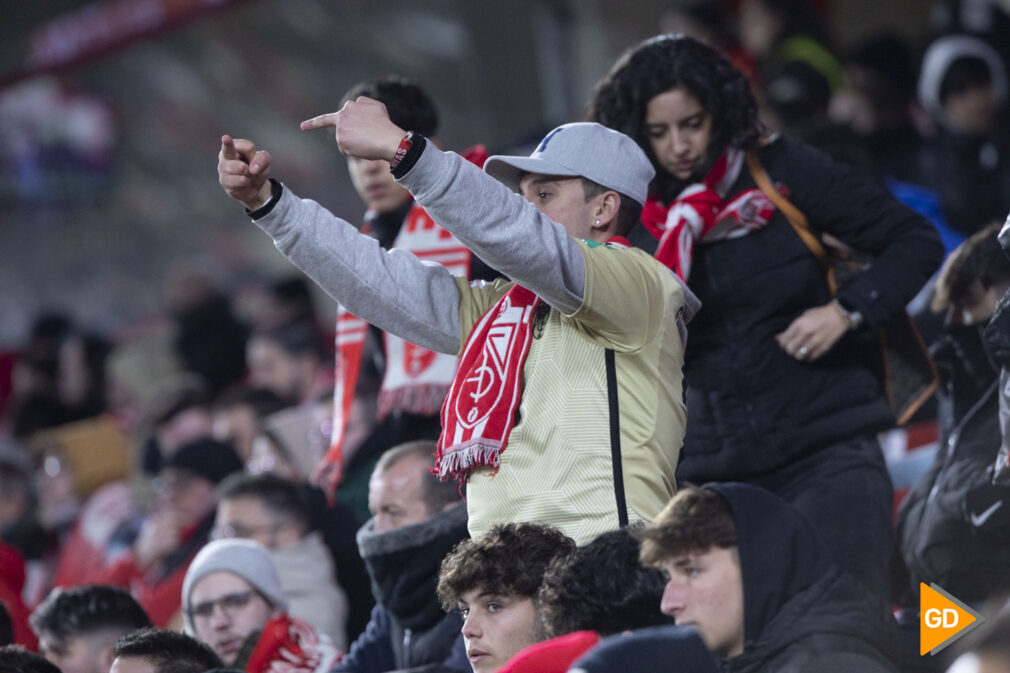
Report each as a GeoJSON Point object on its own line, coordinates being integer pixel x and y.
{"type": "Point", "coordinates": [479, 411]}
{"type": "Point", "coordinates": [700, 215]}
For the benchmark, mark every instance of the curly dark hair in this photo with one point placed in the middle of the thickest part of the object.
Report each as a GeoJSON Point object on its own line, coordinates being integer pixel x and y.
{"type": "Point", "coordinates": [601, 587]}
{"type": "Point", "coordinates": [695, 520]}
{"type": "Point", "coordinates": [509, 559]}
{"type": "Point", "coordinates": [668, 62]}
{"type": "Point", "coordinates": [78, 611]}
{"type": "Point", "coordinates": [409, 106]}
{"type": "Point", "coordinates": [168, 651]}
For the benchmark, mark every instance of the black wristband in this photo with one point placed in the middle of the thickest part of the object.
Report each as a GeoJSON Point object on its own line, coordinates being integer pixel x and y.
{"type": "Point", "coordinates": [417, 145]}
{"type": "Point", "coordinates": [276, 189]}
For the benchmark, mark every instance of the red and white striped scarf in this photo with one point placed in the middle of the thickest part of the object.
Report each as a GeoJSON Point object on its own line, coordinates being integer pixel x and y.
{"type": "Point", "coordinates": [479, 411]}
{"type": "Point", "coordinates": [700, 215]}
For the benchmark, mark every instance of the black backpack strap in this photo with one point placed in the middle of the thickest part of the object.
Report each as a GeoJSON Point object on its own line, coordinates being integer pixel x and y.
{"type": "Point", "coordinates": [615, 438]}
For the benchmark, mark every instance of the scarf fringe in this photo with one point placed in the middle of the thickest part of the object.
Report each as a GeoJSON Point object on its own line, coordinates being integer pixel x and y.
{"type": "Point", "coordinates": [457, 462]}
{"type": "Point", "coordinates": [425, 400]}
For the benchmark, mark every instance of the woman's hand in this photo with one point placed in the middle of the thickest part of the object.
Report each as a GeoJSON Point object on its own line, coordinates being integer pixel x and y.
{"type": "Point", "coordinates": [814, 333]}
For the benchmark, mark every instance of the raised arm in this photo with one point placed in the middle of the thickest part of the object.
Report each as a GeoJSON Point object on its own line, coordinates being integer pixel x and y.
{"type": "Point", "coordinates": [391, 289]}
{"type": "Point", "coordinates": [501, 227]}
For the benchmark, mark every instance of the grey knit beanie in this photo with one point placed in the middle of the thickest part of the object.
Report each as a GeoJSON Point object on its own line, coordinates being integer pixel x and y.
{"type": "Point", "coordinates": [246, 558]}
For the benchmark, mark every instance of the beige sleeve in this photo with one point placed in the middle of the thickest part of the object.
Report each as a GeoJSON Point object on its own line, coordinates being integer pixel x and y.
{"type": "Point", "coordinates": [628, 296]}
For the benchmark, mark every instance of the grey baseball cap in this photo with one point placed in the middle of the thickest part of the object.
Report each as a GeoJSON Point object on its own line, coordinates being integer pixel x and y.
{"type": "Point", "coordinates": [583, 149]}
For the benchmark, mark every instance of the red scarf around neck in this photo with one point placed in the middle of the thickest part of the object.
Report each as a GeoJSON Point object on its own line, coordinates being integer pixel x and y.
{"type": "Point", "coordinates": [699, 214]}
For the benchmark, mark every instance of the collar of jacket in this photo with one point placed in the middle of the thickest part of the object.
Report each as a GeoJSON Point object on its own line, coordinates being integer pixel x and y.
{"type": "Point", "coordinates": [403, 565]}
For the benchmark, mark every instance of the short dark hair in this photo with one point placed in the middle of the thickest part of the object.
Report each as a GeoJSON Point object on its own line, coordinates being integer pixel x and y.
{"type": "Point", "coordinates": [965, 73]}
{"type": "Point", "coordinates": [667, 62]}
{"type": "Point", "coordinates": [82, 610]}
{"type": "Point", "coordinates": [283, 500]}
{"type": "Point", "coordinates": [629, 213]}
{"type": "Point", "coordinates": [409, 106]}
{"type": "Point", "coordinates": [980, 258]}
{"type": "Point", "coordinates": [16, 659]}
{"type": "Point", "coordinates": [168, 651]}
{"type": "Point", "coordinates": [510, 559]}
{"type": "Point", "coordinates": [435, 493]}
{"type": "Point", "coordinates": [695, 520]}
{"type": "Point", "coordinates": [601, 587]}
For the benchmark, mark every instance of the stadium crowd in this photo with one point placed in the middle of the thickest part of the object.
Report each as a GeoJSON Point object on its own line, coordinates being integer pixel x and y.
{"type": "Point", "coordinates": [614, 405]}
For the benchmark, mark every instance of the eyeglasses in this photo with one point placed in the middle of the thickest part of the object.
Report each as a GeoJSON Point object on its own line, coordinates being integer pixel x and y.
{"type": "Point", "coordinates": [230, 604]}
{"type": "Point", "coordinates": [242, 531]}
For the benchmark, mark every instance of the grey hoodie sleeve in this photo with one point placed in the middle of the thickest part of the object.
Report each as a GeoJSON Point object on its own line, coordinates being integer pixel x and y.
{"type": "Point", "coordinates": [392, 289]}
{"type": "Point", "coordinates": [500, 227]}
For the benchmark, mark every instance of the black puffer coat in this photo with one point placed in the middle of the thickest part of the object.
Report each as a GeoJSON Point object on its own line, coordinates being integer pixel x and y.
{"type": "Point", "coordinates": [752, 407]}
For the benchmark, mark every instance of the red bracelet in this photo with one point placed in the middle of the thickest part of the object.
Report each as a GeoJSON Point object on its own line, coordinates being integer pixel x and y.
{"type": "Point", "coordinates": [402, 150]}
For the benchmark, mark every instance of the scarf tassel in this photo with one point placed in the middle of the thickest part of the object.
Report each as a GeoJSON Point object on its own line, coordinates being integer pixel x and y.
{"type": "Point", "coordinates": [478, 452]}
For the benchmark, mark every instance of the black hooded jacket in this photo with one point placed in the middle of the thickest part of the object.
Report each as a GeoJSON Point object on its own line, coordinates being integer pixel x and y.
{"type": "Point", "coordinates": [801, 614]}
{"type": "Point", "coordinates": [954, 525]}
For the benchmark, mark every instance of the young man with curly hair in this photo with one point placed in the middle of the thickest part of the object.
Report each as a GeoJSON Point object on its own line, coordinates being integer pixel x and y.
{"type": "Point", "coordinates": [492, 581]}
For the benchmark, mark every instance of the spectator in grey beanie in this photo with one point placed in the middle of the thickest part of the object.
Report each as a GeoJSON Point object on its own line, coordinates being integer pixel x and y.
{"type": "Point", "coordinates": [233, 600]}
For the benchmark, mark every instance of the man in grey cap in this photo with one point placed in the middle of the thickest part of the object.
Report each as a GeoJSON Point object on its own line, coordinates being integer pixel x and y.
{"type": "Point", "coordinates": [566, 408]}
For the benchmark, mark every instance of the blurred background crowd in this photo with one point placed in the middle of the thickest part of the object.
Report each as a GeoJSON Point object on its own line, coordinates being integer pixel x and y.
{"type": "Point", "coordinates": [153, 343]}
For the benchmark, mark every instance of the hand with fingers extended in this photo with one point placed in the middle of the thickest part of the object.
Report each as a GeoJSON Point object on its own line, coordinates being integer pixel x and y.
{"type": "Point", "coordinates": [814, 333]}
{"type": "Point", "coordinates": [362, 129]}
{"type": "Point", "coordinates": [242, 170]}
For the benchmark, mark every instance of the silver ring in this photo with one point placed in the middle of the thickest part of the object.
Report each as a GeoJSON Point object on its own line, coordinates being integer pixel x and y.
{"type": "Point", "coordinates": [803, 350]}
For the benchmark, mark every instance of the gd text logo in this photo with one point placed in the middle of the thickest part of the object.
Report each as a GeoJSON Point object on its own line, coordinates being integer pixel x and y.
{"type": "Point", "coordinates": [943, 619]}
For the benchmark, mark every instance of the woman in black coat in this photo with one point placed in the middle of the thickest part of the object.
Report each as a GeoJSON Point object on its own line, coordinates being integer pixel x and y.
{"type": "Point", "coordinates": [783, 391]}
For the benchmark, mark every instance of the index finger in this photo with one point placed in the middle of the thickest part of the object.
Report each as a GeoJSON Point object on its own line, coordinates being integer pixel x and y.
{"type": "Point", "coordinates": [228, 148]}
{"type": "Point", "coordinates": [319, 122]}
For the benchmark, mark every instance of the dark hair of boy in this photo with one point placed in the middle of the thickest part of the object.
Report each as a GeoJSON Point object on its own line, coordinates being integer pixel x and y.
{"type": "Point", "coordinates": [601, 587]}
{"type": "Point", "coordinates": [509, 559]}
{"type": "Point", "coordinates": [168, 651]}
{"type": "Point", "coordinates": [78, 611]}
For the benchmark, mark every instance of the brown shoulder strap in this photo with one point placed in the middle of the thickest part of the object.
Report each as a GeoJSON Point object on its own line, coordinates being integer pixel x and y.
{"type": "Point", "coordinates": [795, 216]}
